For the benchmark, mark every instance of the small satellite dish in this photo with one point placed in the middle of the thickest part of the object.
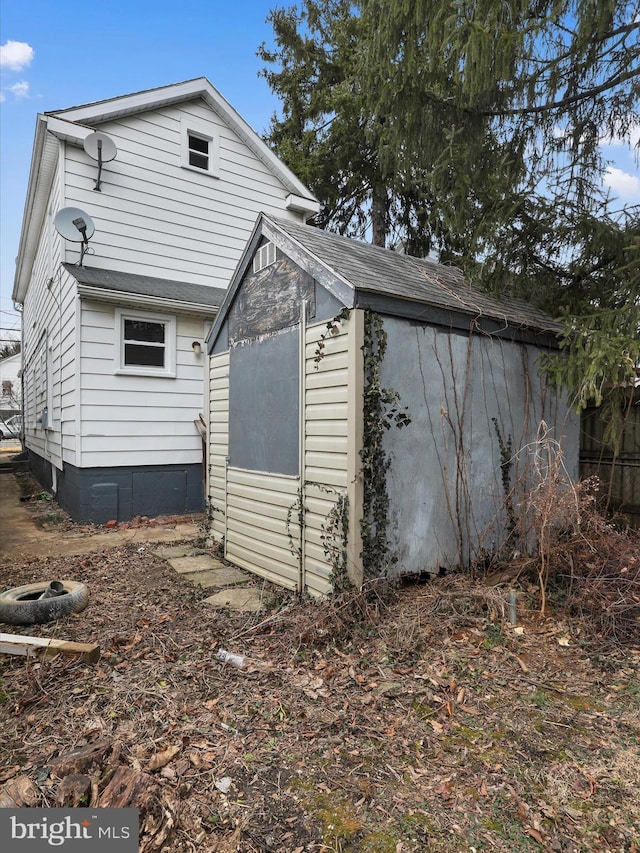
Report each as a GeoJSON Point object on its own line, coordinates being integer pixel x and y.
{"type": "Point", "coordinates": [102, 148]}
{"type": "Point", "coordinates": [75, 225]}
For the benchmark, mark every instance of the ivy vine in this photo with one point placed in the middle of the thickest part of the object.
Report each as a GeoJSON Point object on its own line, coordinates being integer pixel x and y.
{"type": "Point", "coordinates": [382, 411]}
{"type": "Point", "coordinates": [506, 464]}
{"type": "Point", "coordinates": [332, 328]}
{"type": "Point", "coordinates": [296, 507]}
{"type": "Point", "coordinates": [335, 537]}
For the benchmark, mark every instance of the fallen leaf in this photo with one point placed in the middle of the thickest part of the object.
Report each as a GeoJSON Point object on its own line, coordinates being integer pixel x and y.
{"type": "Point", "coordinates": [534, 834]}
{"type": "Point", "coordinates": [223, 785]}
{"type": "Point", "coordinates": [161, 758]}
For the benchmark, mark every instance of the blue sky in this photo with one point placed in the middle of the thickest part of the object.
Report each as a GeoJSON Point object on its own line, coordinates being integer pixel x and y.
{"type": "Point", "coordinates": [75, 53]}
{"type": "Point", "coordinates": [87, 51]}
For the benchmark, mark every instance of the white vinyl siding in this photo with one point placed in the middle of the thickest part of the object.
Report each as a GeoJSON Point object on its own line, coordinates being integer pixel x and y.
{"type": "Point", "coordinates": [218, 442]}
{"type": "Point", "coordinates": [48, 356]}
{"type": "Point", "coordinates": [157, 218]}
{"type": "Point", "coordinates": [131, 419]}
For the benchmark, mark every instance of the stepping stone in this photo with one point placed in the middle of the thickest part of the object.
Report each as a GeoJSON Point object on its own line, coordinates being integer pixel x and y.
{"type": "Point", "coordinates": [176, 551]}
{"type": "Point", "coordinates": [196, 563]}
{"type": "Point", "coordinates": [226, 576]}
{"type": "Point", "coordinates": [247, 600]}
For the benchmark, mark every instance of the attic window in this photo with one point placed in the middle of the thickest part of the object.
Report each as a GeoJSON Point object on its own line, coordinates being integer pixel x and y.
{"type": "Point", "coordinates": [198, 151]}
{"type": "Point", "coordinates": [199, 146]}
{"type": "Point", "coordinates": [264, 257]}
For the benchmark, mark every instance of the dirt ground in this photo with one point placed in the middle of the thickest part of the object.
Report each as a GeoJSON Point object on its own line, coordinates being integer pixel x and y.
{"type": "Point", "coordinates": [413, 719]}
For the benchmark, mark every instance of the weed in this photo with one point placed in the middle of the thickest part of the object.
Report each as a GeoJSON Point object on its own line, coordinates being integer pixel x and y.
{"type": "Point", "coordinates": [493, 636]}
{"type": "Point", "coordinates": [540, 699]}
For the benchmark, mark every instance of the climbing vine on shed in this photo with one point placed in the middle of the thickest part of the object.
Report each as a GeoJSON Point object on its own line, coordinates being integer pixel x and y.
{"type": "Point", "coordinates": [335, 538]}
{"type": "Point", "coordinates": [382, 411]}
{"type": "Point", "coordinates": [332, 328]}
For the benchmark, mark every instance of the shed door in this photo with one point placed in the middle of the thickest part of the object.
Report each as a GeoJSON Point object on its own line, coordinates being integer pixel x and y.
{"type": "Point", "coordinates": [263, 473]}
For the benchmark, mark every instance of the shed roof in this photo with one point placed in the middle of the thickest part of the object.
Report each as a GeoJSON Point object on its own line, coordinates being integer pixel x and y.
{"type": "Point", "coordinates": [364, 276]}
{"type": "Point", "coordinates": [372, 269]}
{"type": "Point", "coordinates": [130, 288]}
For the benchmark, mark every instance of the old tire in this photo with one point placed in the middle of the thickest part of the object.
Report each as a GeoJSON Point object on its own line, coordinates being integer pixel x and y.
{"type": "Point", "coordinates": [22, 606]}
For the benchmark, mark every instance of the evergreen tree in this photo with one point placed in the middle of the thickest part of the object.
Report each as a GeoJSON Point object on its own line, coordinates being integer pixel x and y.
{"type": "Point", "coordinates": [472, 130]}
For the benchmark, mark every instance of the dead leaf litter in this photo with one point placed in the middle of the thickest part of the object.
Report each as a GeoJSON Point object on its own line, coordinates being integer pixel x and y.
{"type": "Point", "coordinates": [418, 719]}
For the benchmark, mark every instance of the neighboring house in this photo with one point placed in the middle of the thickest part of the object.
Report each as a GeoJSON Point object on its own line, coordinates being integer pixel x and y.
{"type": "Point", "coordinates": [11, 386]}
{"type": "Point", "coordinates": [113, 375]}
{"type": "Point", "coordinates": [322, 350]}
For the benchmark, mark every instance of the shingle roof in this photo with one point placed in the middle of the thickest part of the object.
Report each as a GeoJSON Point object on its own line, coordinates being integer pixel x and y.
{"type": "Point", "coordinates": [145, 285]}
{"type": "Point", "coordinates": [371, 269]}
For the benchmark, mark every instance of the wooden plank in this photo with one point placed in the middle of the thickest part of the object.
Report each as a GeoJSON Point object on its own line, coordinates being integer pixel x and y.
{"type": "Point", "coordinates": [20, 644]}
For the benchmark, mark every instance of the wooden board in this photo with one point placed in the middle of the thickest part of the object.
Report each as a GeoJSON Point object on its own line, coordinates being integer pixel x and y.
{"type": "Point", "coordinates": [19, 644]}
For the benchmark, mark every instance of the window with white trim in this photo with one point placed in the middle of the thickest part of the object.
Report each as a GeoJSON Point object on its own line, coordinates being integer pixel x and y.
{"type": "Point", "coordinates": [146, 343]}
{"type": "Point", "coordinates": [264, 256]}
{"type": "Point", "coordinates": [199, 146]}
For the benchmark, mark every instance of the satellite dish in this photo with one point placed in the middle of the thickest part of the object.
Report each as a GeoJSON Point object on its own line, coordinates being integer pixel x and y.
{"type": "Point", "coordinates": [102, 148]}
{"type": "Point", "coordinates": [75, 225]}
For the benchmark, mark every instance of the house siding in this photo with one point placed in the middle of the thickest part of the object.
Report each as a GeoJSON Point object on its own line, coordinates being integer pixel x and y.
{"type": "Point", "coordinates": [48, 348]}
{"type": "Point", "coordinates": [157, 218]}
{"type": "Point", "coordinates": [137, 420]}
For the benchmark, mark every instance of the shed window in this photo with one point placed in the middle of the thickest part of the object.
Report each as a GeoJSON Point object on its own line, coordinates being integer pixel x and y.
{"type": "Point", "coordinates": [199, 146]}
{"type": "Point", "coordinates": [147, 343]}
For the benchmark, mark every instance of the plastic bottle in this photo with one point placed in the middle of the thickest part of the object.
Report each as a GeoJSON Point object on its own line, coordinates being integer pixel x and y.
{"type": "Point", "coordinates": [229, 657]}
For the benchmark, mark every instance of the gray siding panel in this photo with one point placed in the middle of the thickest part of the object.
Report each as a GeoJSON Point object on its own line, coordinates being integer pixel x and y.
{"type": "Point", "coordinates": [263, 404]}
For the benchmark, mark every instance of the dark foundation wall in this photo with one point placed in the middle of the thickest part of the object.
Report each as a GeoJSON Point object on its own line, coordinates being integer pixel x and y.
{"type": "Point", "coordinates": [103, 494]}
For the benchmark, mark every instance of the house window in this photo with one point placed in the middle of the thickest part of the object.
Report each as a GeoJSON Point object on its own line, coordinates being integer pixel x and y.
{"type": "Point", "coordinates": [198, 151]}
{"type": "Point", "coordinates": [199, 146]}
{"type": "Point", "coordinates": [147, 343]}
{"type": "Point", "coordinates": [264, 257]}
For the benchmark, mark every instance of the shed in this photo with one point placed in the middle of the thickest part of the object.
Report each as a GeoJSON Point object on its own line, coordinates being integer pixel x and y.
{"type": "Point", "coordinates": [369, 411]}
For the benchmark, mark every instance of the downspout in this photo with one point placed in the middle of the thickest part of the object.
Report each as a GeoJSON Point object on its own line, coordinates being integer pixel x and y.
{"type": "Point", "coordinates": [302, 386]}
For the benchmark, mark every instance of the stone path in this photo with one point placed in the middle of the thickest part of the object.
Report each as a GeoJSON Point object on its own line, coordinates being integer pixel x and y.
{"type": "Point", "coordinates": [208, 572]}
{"type": "Point", "coordinates": [21, 538]}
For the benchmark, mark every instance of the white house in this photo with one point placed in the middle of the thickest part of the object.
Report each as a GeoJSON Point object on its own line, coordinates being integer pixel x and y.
{"type": "Point", "coordinates": [112, 365]}
{"type": "Point", "coordinates": [11, 393]}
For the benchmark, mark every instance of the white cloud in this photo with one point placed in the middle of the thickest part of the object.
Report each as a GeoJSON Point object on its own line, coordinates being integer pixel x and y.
{"type": "Point", "coordinates": [617, 138]}
{"type": "Point", "coordinates": [622, 184]}
{"type": "Point", "coordinates": [20, 90]}
{"type": "Point", "coordinates": [15, 55]}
